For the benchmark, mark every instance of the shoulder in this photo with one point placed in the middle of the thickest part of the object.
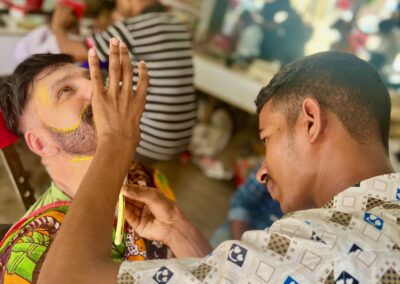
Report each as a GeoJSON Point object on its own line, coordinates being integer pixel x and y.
{"type": "Point", "coordinates": [23, 249]}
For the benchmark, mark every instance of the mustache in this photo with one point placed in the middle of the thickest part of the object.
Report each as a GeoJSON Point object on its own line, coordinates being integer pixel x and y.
{"type": "Point", "coordinates": [87, 115]}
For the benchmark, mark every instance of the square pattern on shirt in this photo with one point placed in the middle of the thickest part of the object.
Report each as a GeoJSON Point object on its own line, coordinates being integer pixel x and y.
{"type": "Point", "coordinates": [278, 244]}
{"type": "Point", "coordinates": [390, 277]}
{"type": "Point", "coordinates": [340, 218]}
{"type": "Point", "coordinates": [201, 271]}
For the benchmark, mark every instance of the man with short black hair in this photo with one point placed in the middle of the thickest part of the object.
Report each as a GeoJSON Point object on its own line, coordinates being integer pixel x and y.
{"type": "Point", "coordinates": [324, 120]}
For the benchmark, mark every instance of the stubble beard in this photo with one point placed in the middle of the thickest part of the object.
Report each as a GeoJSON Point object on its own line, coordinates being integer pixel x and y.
{"type": "Point", "coordinates": [81, 141]}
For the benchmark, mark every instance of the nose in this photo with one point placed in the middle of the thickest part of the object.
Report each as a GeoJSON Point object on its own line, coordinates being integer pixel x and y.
{"type": "Point", "coordinates": [87, 90]}
{"type": "Point", "coordinates": [262, 173]}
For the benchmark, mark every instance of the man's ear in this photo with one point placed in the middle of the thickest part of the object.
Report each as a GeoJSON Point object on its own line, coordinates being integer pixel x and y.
{"type": "Point", "coordinates": [313, 122]}
{"type": "Point", "coordinates": [39, 145]}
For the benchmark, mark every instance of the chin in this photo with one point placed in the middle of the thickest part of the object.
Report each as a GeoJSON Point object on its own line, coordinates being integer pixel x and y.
{"type": "Point", "coordinates": [284, 209]}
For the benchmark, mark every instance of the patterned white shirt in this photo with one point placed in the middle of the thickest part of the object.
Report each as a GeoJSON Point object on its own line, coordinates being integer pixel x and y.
{"type": "Point", "coordinates": [354, 238]}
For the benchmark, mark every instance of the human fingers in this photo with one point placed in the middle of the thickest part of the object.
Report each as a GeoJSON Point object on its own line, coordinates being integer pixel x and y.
{"type": "Point", "coordinates": [95, 73]}
{"type": "Point", "coordinates": [114, 68]}
{"type": "Point", "coordinates": [132, 215]}
{"type": "Point", "coordinates": [133, 202]}
{"type": "Point", "coordinates": [127, 72]}
{"type": "Point", "coordinates": [142, 84]}
{"type": "Point", "coordinates": [157, 203]}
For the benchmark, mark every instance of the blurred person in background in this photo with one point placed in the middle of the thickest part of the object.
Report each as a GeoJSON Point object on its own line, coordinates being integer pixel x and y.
{"type": "Point", "coordinates": [251, 208]}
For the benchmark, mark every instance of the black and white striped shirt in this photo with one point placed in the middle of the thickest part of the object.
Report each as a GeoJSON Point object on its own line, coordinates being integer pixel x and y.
{"type": "Point", "coordinates": [164, 43]}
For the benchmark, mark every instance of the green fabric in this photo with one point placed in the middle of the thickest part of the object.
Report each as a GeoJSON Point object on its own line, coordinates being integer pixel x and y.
{"type": "Point", "coordinates": [53, 194]}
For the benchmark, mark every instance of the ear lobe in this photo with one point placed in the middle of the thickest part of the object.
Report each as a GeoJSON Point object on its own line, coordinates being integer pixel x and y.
{"type": "Point", "coordinates": [313, 120]}
{"type": "Point", "coordinates": [39, 145]}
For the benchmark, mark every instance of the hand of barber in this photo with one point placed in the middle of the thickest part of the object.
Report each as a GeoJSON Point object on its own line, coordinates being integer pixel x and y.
{"type": "Point", "coordinates": [117, 109]}
{"type": "Point", "coordinates": [155, 217]}
{"type": "Point", "coordinates": [150, 213]}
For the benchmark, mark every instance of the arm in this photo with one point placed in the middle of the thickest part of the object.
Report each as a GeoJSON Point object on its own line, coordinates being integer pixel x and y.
{"type": "Point", "coordinates": [247, 197]}
{"type": "Point", "coordinates": [238, 227]}
{"type": "Point", "coordinates": [59, 26]}
{"type": "Point", "coordinates": [75, 257]}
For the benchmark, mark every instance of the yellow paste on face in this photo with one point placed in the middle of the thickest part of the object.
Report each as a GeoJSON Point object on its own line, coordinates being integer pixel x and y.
{"type": "Point", "coordinates": [78, 159]}
{"type": "Point", "coordinates": [44, 99]}
{"type": "Point", "coordinates": [43, 95]}
{"type": "Point", "coordinates": [73, 127]}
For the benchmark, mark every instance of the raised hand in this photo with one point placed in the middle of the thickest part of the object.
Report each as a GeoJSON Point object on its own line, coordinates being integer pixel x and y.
{"type": "Point", "coordinates": [117, 109]}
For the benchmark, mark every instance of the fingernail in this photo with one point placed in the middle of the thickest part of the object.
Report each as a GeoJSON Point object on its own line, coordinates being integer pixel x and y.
{"type": "Point", "coordinates": [122, 44]}
{"type": "Point", "coordinates": [114, 41]}
{"type": "Point", "coordinates": [92, 52]}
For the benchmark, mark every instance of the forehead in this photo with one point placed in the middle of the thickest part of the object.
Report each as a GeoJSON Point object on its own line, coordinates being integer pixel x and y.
{"type": "Point", "coordinates": [52, 75]}
{"type": "Point", "coordinates": [270, 116]}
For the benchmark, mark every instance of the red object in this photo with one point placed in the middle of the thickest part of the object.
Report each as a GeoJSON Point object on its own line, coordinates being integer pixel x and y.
{"type": "Point", "coordinates": [77, 7]}
{"type": "Point", "coordinates": [30, 5]}
{"type": "Point", "coordinates": [6, 137]}
{"type": "Point", "coordinates": [34, 5]}
{"type": "Point", "coordinates": [344, 4]}
{"type": "Point", "coordinates": [358, 40]}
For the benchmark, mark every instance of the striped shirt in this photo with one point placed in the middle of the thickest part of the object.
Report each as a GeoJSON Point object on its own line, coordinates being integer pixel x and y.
{"type": "Point", "coordinates": [164, 43]}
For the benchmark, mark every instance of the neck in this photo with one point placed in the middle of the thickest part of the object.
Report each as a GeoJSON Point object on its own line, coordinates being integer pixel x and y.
{"type": "Point", "coordinates": [349, 164]}
{"type": "Point", "coordinates": [66, 173]}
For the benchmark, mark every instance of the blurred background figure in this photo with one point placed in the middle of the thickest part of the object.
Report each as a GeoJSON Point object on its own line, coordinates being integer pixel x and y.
{"type": "Point", "coordinates": [251, 208]}
{"type": "Point", "coordinates": [285, 33]}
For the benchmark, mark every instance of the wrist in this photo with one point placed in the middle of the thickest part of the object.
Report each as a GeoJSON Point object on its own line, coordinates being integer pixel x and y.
{"type": "Point", "coordinates": [121, 148]}
{"type": "Point", "coordinates": [185, 240]}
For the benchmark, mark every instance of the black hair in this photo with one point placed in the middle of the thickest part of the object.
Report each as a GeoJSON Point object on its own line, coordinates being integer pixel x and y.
{"type": "Point", "coordinates": [343, 83]}
{"type": "Point", "coordinates": [14, 88]}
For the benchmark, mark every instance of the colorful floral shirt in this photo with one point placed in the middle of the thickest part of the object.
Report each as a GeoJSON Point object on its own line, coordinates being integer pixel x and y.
{"type": "Point", "coordinates": [24, 247]}
{"type": "Point", "coordinates": [354, 238]}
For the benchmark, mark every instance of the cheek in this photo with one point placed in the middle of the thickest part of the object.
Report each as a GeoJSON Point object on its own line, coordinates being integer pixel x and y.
{"type": "Point", "coordinates": [43, 98]}
{"type": "Point", "coordinates": [66, 117]}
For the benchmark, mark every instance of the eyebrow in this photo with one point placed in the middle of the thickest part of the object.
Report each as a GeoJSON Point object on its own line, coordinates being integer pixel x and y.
{"type": "Point", "coordinates": [81, 73]}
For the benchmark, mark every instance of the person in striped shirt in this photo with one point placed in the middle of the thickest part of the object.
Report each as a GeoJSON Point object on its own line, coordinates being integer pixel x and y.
{"type": "Point", "coordinates": [160, 39]}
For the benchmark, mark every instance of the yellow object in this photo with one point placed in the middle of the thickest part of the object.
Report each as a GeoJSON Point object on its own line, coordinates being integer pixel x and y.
{"type": "Point", "coordinates": [81, 158]}
{"type": "Point", "coordinates": [161, 182]}
{"type": "Point", "coordinates": [72, 128]}
{"type": "Point", "coordinates": [119, 231]}
{"type": "Point", "coordinates": [43, 95]}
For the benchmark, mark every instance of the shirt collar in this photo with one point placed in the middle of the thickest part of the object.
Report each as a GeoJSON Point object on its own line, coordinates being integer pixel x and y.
{"type": "Point", "coordinates": [368, 193]}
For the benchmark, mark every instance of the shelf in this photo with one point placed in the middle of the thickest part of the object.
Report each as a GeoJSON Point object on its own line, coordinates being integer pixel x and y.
{"type": "Point", "coordinates": [231, 86]}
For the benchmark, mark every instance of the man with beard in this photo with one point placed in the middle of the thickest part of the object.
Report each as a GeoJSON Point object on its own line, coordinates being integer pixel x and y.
{"type": "Point", "coordinates": [47, 100]}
